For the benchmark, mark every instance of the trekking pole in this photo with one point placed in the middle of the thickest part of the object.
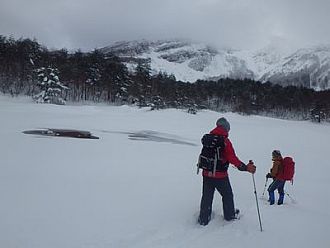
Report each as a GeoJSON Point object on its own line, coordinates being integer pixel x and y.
{"type": "Point", "coordinates": [255, 192]}
{"type": "Point", "coordinates": [291, 198]}
{"type": "Point", "coordinates": [263, 193]}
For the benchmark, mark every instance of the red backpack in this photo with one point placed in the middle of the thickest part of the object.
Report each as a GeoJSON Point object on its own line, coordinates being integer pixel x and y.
{"type": "Point", "coordinates": [288, 168]}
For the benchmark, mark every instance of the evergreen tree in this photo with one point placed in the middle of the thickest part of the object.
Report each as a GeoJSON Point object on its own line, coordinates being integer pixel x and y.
{"type": "Point", "coordinates": [50, 85]}
{"type": "Point", "coordinates": [104, 77]}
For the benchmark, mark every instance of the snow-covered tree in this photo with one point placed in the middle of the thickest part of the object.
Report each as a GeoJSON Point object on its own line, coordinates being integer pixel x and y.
{"type": "Point", "coordinates": [50, 85]}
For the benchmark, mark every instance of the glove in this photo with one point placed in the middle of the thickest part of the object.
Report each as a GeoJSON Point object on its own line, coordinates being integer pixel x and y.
{"type": "Point", "coordinates": [250, 167]}
{"type": "Point", "coordinates": [269, 175]}
{"type": "Point", "coordinates": [242, 167]}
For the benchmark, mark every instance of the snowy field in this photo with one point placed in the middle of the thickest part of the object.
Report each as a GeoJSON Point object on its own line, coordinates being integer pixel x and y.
{"type": "Point", "coordinates": [137, 186]}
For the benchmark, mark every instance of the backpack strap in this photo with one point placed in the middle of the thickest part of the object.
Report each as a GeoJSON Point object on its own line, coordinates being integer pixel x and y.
{"type": "Point", "coordinates": [215, 163]}
{"type": "Point", "coordinates": [198, 163]}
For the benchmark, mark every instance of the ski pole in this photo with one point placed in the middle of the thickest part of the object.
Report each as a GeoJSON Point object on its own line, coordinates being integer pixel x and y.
{"type": "Point", "coordinates": [255, 192]}
{"type": "Point", "coordinates": [263, 193]}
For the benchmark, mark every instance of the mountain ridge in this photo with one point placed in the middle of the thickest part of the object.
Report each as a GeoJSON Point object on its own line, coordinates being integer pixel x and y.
{"type": "Point", "coordinates": [190, 61]}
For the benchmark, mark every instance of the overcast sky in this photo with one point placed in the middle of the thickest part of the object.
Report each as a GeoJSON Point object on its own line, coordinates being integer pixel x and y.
{"type": "Point", "coordinates": [89, 24]}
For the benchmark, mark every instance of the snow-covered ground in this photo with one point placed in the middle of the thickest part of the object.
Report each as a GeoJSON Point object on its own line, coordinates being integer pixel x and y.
{"type": "Point", "coordinates": [137, 186]}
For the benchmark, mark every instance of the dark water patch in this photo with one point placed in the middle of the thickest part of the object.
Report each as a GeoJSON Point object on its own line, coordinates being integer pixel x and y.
{"type": "Point", "coordinates": [69, 133]}
{"type": "Point", "coordinates": [148, 135]}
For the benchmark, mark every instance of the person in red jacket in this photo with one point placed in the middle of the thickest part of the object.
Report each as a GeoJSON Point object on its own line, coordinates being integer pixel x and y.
{"type": "Point", "coordinates": [220, 180]}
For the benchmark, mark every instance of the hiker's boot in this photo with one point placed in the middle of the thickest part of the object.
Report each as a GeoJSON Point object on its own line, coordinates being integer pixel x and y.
{"type": "Point", "coordinates": [236, 216]}
{"type": "Point", "coordinates": [280, 199]}
{"type": "Point", "coordinates": [271, 198]}
{"type": "Point", "coordinates": [204, 221]}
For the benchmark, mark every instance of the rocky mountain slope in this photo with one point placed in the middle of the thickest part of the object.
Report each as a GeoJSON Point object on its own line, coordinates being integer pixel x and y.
{"type": "Point", "coordinates": [189, 61]}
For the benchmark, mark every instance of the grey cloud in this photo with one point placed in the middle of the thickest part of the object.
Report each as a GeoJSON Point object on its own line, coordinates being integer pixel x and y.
{"type": "Point", "coordinates": [236, 23]}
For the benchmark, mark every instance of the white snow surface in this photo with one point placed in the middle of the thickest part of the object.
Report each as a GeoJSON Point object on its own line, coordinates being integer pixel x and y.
{"type": "Point", "coordinates": [121, 191]}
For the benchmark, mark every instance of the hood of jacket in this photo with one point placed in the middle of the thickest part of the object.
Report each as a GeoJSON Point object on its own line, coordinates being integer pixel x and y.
{"type": "Point", "coordinates": [220, 131]}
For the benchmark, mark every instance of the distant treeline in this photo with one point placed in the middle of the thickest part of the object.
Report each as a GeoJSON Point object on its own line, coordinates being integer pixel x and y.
{"type": "Point", "coordinates": [94, 76]}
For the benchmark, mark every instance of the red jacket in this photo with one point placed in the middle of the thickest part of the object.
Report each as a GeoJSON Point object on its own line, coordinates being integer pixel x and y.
{"type": "Point", "coordinates": [228, 155]}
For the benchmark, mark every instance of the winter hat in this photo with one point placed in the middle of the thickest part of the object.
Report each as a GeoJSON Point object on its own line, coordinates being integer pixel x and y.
{"type": "Point", "coordinates": [222, 122]}
{"type": "Point", "coordinates": [276, 153]}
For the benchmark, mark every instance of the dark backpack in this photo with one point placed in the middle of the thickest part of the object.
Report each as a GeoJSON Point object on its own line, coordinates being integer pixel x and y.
{"type": "Point", "coordinates": [288, 168]}
{"type": "Point", "coordinates": [210, 158]}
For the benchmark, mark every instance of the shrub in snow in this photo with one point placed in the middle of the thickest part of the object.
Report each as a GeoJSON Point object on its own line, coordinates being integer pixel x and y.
{"type": "Point", "coordinates": [50, 85]}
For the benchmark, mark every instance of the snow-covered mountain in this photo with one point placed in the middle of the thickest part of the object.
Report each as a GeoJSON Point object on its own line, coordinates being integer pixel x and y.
{"type": "Point", "coordinates": [190, 61]}
{"type": "Point", "coordinates": [309, 67]}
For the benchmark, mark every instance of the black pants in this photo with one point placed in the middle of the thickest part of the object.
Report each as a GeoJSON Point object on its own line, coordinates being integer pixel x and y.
{"type": "Point", "coordinates": [224, 188]}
